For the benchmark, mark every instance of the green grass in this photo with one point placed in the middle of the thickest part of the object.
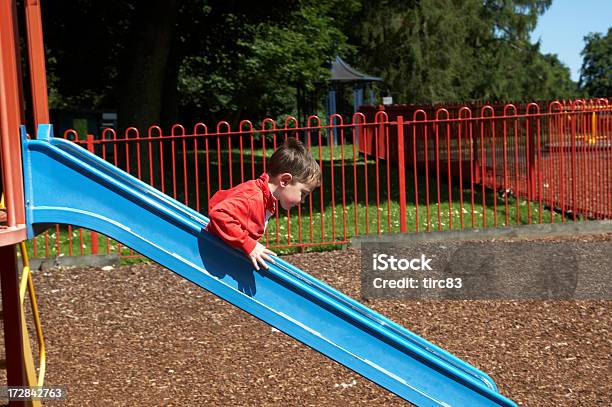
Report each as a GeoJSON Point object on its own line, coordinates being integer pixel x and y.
{"type": "Point", "coordinates": [329, 221]}
{"type": "Point", "coordinates": [75, 242]}
{"type": "Point", "coordinates": [385, 219]}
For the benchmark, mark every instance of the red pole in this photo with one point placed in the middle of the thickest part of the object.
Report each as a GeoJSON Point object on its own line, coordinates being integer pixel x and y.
{"type": "Point", "coordinates": [505, 151]}
{"type": "Point", "coordinates": [416, 179]}
{"type": "Point", "coordinates": [494, 163]}
{"type": "Point", "coordinates": [378, 141]}
{"type": "Point", "coordinates": [241, 155]}
{"type": "Point", "coordinates": [229, 157]}
{"type": "Point", "coordinates": [530, 166]}
{"type": "Point", "coordinates": [562, 179]}
{"type": "Point", "coordinates": [208, 190]}
{"type": "Point", "coordinates": [322, 206]}
{"type": "Point", "coordinates": [196, 170]}
{"type": "Point", "coordinates": [482, 169]}
{"type": "Point", "coordinates": [449, 175]}
{"type": "Point", "coordinates": [16, 39]}
{"type": "Point", "coordinates": [288, 215]}
{"type": "Point", "coordinates": [608, 165]}
{"type": "Point", "coordinates": [13, 335]}
{"type": "Point", "coordinates": [460, 159]}
{"type": "Point", "coordinates": [360, 132]}
{"type": "Point", "coordinates": [538, 169]}
{"type": "Point", "coordinates": [402, 173]}
{"type": "Point", "coordinates": [161, 162]}
{"type": "Point", "coordinates": [138, 163]}
{"type": "Point", "coordinates": [573, 169]}
{"type": "Point", "coordinates": [333, 182]}
{"type": "Point", "coordinates": [185, 179]}
{"type": "Point", "coordinates": [173, 158]}
{"type": "Point", "coordinates": [94, 235]}
{"type": "Point", "coordinates": [426, 153]}
{"type": "Point", "coordinates": [104, 146]}
{"type": "Point", "coordinates": [36, 53]}
{"type": "Point", "coordinates": [365, 179]}
{"type": "Point", "coordinates": [150, 148]}
{"type": "Point", "coordinates": [10, 118]}
{"type": "Point", "coordinates": [299, 210]}
{"type": "Point", "coordinates": [585, 165]}
{"type": "Point", "coordinates": [473, 165]}
{"type": "Point", "coordinates": [343, 187]}
{"type": "Point", "coordinates": [516, 172]}
{"type": "Point", "coordinates": [309, 147]}
{"type": "Point", "coordinates": [437, 157]}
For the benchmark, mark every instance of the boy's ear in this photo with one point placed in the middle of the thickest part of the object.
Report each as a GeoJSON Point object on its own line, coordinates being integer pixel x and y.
{"type": "Point", "coordinates": [285, 179]}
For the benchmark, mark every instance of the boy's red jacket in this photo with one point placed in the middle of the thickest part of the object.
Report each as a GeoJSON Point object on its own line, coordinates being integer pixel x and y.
{"type": "Point", "coordinates": [238, 215]}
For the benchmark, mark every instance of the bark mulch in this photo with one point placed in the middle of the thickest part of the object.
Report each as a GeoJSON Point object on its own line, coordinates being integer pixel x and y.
{"type": "Point", "coordinates": [140, 336]}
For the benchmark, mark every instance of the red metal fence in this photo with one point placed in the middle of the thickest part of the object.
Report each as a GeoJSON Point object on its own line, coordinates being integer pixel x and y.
{"type": "Point", "coordinates": [383, 173]}
{"type": "Point", "coordinates": [558, 157]}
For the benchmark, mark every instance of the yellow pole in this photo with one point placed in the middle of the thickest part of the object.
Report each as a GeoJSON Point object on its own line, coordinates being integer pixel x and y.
{"type": "Point", "coordinates": [28, 359]}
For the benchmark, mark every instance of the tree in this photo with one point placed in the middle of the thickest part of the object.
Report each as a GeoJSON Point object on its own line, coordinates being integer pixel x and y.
{"type": "Point", "coordinates": [432, 51]}
{"type": "Point", "coordinates": [165, 61]}
{"type": "Point", "coordinates": [265, 59]}
{"type": "Point", "coordinates": [596, 74]}
{"type": "Point", "coordinates": [162, 62]}
{"type": "Point", "coordinates": [416, 46]}
{"type": "Point", "coordinates": [83, 42]}
{"type": "Point", "coordinates": [145, 61]}
{"type": "Point", "coordinates": [548, 78]}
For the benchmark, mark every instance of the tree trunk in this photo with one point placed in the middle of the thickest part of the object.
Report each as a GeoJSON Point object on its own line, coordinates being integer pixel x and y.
{"type": "Point", "coordinates": [169, 111]}
{"type": "Point", "coordinates": [141, 82]}
{"type": "Point", "coordinates": [143, 67]}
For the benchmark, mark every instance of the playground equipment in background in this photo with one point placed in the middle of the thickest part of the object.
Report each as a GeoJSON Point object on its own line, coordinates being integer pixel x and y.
{"type": "Point", "coordinates": [48, 181]}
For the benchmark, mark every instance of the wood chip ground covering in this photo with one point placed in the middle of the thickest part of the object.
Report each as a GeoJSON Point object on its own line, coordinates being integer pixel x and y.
{"type": "Point", "coordinates": [142, 336]}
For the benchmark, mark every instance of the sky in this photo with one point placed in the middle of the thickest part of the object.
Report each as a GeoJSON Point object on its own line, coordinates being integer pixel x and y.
{"type": "Point", "coordinates": [563, 26]}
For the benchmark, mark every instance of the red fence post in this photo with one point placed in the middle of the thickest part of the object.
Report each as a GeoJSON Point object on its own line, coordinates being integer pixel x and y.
{"type": "Point", "coordinates": [531, 161]}
{"type": "Point", "coordinates": [402, 173]}
{"type": "Point", "coordinates": [94, 235]}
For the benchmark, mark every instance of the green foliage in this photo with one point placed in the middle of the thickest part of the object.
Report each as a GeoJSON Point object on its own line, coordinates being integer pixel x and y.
{"type": "Point", "coordinates": [443, 50]}
{"type": "Point", "coordinates": [548, 78]}
{"type": "Point", "coordinates": [596, 72]}
{"type": "Point", "coordinates": [229, 62]}
{"type": "Point", "coordinates": [270, 58]}
{"type": "Point", "coordinates": [83, 43]}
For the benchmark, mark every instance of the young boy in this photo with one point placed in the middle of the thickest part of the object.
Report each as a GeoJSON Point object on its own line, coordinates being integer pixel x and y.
{"type": "Point", "coordinates": [239, 215]}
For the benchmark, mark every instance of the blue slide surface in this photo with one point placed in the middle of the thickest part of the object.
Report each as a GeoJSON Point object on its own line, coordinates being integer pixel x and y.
{"type": "Point", "coordinates": [66, 184]}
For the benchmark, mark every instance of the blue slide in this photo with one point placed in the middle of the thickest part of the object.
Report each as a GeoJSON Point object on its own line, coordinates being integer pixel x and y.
{"type": "Point", "coordinates": [66, 184]}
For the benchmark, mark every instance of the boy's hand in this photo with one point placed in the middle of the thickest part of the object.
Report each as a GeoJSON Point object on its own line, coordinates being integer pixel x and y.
{"type": "Point", "coordinates": [259, 254]}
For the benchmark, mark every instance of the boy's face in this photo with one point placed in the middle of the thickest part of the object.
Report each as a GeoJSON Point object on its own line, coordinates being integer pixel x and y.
{"type": "Point", "coordinates": [294, 193]}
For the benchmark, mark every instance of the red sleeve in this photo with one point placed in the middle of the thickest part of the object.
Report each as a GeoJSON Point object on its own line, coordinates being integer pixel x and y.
{"type": "Point", "coordinates": [228, 220]}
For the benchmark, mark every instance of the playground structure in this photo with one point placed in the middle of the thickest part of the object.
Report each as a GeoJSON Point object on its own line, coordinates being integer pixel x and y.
{"type": "Point", "coordinates": [49, 180]}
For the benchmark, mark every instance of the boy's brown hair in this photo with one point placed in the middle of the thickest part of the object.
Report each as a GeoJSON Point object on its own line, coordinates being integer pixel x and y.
{"type": "Point", "coordinates": [293, 157]}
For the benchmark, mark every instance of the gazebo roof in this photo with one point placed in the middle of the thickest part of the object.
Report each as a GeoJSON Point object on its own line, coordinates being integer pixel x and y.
{"type": "Point", "coordinates": [343, 72]}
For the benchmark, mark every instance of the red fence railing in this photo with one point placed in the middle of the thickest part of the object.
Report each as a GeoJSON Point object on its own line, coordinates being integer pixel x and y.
{"type": "Point", "coordinates": [558, 157]}
{"type": "Point", "coordinates": [456, 169]}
